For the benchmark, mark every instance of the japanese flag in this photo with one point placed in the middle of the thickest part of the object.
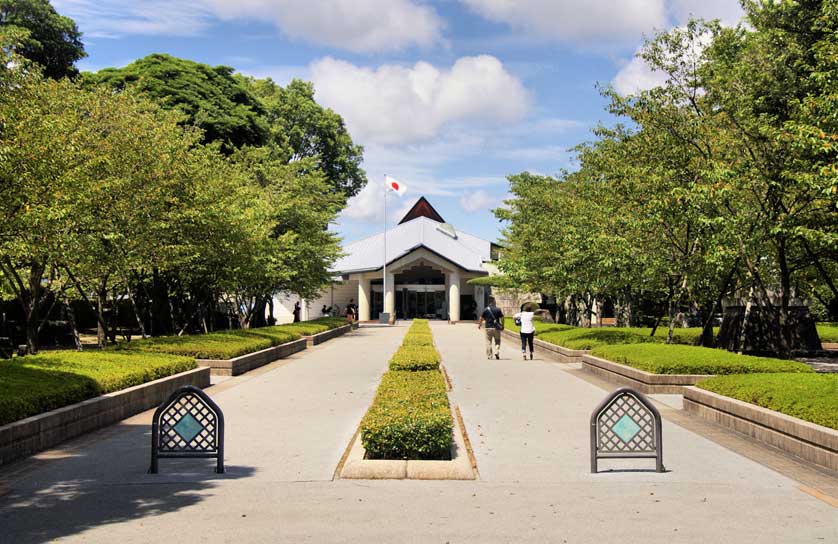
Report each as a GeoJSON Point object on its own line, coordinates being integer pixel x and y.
{"type": "Point", "coordinates": [393, 185]}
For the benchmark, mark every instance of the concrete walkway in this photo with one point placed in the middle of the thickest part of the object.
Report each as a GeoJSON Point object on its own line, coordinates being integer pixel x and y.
{"type": "Point", "coordinates": [289, 423]}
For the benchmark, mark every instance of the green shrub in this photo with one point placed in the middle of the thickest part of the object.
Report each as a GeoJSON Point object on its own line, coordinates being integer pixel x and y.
{"type": "Point", "coordinates": [278, 335]}
{"type": "Point", "coordinates": [418, 339]}
{"type": "Point", "coordinates": [540, 326]}
{"type": "Point", "coordinates": [415, 358]}
{"type": "Point", "coordinates": [828, 332]}
{"type": "Point", "coordinates": [587, 338]}
{"type": "Point", "coordinates": [811, 397]}
{"type": "Point", "coordinates": [678, 359]}
{"type": "Point", "coordinates": [310, 328]}
{"type": "Point", "coordinates": [409, 418]}
{"type": "Point", "coordinates": [217, 345]}
{"type": "Point", "coordinates": [38, 383]}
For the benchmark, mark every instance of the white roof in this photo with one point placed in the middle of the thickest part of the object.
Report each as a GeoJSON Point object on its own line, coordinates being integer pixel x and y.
{"type": "Point", "coordinates": [464, 250]}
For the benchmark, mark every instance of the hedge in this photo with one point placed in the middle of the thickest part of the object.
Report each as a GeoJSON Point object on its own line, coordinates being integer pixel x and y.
{"type": "Point", "coordinates": [588, 338]}
{"type": "Point", "coordinates": [678, 359]}
{"type": "Point", "coordinates": [828, 332]}
{"type": "Point", "coordinates": [540, 326]}
{"type": "Point", "coordinates": [216, 345]}
{"type": "Point", "coordinates": [38, 383]}
{"type": "Point", "coordinates": [415, 358]}
{"type": "Point", "coordinates": [233, 343]}
{"type": "Point", "coordinates": [309, 328]}
{"type": "Point", "coordinates": [811, 397]}
{"type": "Point", "coordinates": [418, 339]}
{"type": "Point", "coordinates": [409, 418]}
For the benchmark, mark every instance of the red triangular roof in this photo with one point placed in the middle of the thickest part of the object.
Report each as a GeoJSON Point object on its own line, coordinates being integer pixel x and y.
{"type": "Point", "coordinates": [422, 208]}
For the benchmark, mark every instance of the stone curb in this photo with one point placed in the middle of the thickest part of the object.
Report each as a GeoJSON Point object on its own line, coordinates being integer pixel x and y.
{"type": "Point", "coordinates": [645, 382]}
{"type": "Point", "coordinates": [37, 433]}
{"type": "Point", "coordinates": [324, 336]}
{"type": "Point", "coordinates": [557, 353]}
{"type": "Point", "coordinates": [356, 467]}
{"type": "Point", "coordinates": [809, 441]}
{"type": "Point", "coordinates": [249, 361]}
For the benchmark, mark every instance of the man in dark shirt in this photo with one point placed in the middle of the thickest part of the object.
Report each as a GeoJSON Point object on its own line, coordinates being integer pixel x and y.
{"type": "Point", "coordinates": [492, 316]}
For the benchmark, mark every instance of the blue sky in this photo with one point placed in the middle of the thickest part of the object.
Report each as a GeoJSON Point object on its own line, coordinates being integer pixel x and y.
{"type": "Point", "coordinates": [447, 96]}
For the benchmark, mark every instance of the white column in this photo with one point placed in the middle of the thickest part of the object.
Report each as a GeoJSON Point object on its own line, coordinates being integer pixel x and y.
{"type": "Point", "coordinates": [304, 310]}
{"type": "Point", "coordinates": [364, 299]}
{"type": "Point", "coordinates": [454, 296]}
{"type": "Point", "coordinates": [390, 296]}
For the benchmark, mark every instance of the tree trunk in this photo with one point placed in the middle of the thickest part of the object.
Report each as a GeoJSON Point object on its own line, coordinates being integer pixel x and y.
{"type": "Point", "coordinates": [71, 316]}
{"type": "Point", "coordinates": [101, 328]}
{"type": "Point", "coordinates": [785, 296]}
{"type": "Point", "coordinates": [746, 319]}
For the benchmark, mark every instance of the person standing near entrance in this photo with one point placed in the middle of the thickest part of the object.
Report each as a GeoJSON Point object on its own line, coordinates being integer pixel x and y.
{"type": "Point", "coordinates": [492, 316]}
{"type": "Point", "coordinates": [524, 320]}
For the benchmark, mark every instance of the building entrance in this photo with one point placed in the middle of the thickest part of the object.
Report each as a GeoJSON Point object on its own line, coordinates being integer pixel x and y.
{"type": "Point", "coordinates": [419, 293]}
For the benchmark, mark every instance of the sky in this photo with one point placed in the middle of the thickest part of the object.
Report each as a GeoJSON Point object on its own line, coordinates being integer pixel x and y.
{"type": "Point", "coordinates": [447, 96]}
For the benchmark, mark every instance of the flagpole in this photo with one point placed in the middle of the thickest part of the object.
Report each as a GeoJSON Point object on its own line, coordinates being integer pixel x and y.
{"type": "Point", "coordinates": [384, 279]}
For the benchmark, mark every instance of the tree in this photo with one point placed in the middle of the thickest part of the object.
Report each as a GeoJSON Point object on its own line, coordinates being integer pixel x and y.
{"type": "Point", "coordinates": [210, 98]}
{"type": "Point", "coordinates": [300, 128]}
{"type": "Point", "coordinates": [52, 40]}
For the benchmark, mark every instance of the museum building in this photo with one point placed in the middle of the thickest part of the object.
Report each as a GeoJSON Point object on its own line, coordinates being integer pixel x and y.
{"type": "Point", "coordinates": [429, 264]}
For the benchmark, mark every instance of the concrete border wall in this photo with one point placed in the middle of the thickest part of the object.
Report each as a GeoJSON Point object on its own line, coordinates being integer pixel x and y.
{"type": "Point", "coordinates": [22, 438]}
{"type": "Point", "coordinates": [645, 382]}
{"type": "Point", "coordinates": [808, 441]}
{"type": "Point", "coordinates": [245, 363]}
{"type": "Point", "coordinates": [324, 336]}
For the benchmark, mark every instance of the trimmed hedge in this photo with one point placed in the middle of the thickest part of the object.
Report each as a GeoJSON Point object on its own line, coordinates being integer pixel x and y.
{"type": "Point", "coordinates": [309, 328]}
{"type": "Point", "coordinates": [233, 343]}
{"type": "Point", "coordinates": [409, 418]}
{"type": "Point", "coordinates": [588, 338]}
{"type": "Point", "coordinates": [216, 345]}
{"type": "Point", "coordinates": [38, 383]}
{"type": "Point", "coordinates": [277, 335]}
{"type": "Point", "coordinates": [811, 397]}
{"type": "Point", "coordinates": [678, 359]}
{"type": "Point", "coordinates": [540, 326]}
{"type": "Point", "coordinates": [415, 358]}
{"type": "Point", "coordinates": [828, 332]}
{"type": "Point", "coordinates": [418, 339]}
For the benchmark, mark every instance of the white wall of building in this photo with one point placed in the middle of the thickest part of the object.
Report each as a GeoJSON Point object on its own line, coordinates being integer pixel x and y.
{"type": "Point", "coordinates": [339, 293]}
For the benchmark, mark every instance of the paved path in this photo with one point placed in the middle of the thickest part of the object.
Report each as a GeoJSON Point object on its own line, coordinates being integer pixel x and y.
{"type": "Point", "coordinates": [289, 424]}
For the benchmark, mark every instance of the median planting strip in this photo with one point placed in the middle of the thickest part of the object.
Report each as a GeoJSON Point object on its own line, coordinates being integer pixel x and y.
{"type": "Point", "coordinates": [408, 431]}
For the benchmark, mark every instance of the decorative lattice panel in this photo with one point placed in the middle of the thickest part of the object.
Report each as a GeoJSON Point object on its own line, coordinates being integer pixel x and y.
{"type": "Point", "coordinates": [626, 425]}
{"type": "Point", "coordinates": [188, 425]}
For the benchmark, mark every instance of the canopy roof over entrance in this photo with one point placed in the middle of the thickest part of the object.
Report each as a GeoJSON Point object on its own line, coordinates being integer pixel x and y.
{"type": "Point", "coordinates": [415, 231]}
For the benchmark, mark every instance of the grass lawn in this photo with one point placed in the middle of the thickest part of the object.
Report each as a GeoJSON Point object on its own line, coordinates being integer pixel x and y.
{"type": "Point", "coordinates": [678, 359]}
{"type": "Point", "coordinates": [39, 383]}
{"type": "Point", "coordinates": [811, 397]}
{"type": "Point", "coordinates": [216, 345]}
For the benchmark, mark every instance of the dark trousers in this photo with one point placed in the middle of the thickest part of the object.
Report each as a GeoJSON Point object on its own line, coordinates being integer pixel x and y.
{"type": "Point", "coordinates": [527, 338]}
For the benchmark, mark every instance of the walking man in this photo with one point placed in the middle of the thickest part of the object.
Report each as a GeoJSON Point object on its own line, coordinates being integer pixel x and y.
{"type": "Point", "coordinates": [492, 316]}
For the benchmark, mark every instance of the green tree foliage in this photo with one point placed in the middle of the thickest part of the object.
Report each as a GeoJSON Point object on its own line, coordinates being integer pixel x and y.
{"type": "Point", "coordinates": [51, 40]}
{"type": "Point", "coordinates": [724, 177]}
{"type": "Point", "coordinates": [300, 128]}
{"type": "Point", "coordinates": [210, 98]}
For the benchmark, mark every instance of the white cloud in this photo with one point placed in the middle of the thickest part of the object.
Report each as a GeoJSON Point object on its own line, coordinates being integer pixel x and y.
{"type": "Point", "coordinates": [728, 11]}
{"type": "Point", "coordinates": [638, 76]}
{"type": "Point", "coordinates": [355, 25]}
{"type": "Point", "coordinates": [475, 201]}
{"type": "Point", "coordinates": [587, 22]}
{"type": "Point", "coordinates": [394, 104]}
{"type": "Point", "coordinates": [537, 153]}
